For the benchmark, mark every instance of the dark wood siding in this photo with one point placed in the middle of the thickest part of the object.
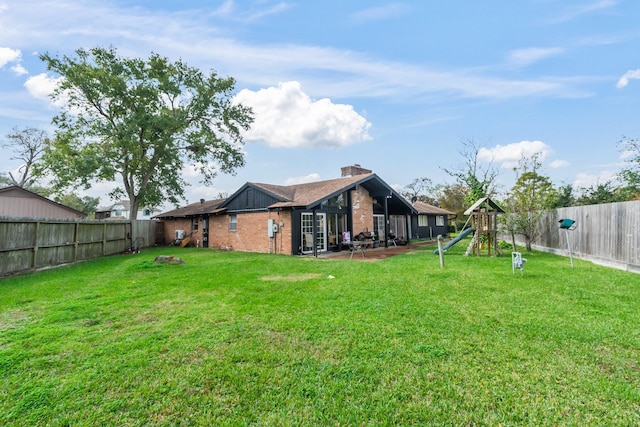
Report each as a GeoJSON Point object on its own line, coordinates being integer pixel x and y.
{"type": "Point", "coordinates": [429, 231]}
{"type": "Point", "coordinates": [250, 199]}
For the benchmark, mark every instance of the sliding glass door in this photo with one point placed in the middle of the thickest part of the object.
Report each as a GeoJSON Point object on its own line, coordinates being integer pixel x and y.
{"type": "Point", "coordinates": [307, 232]}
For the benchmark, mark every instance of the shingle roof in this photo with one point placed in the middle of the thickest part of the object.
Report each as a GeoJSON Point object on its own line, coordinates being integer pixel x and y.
{"type": "Point", "coordinates": [309, 193]}
{"type": "Point", "coordinates": [426, 208]}
{"type": "Point", "coordinates": [483, 201]}
{"type": "Point", "coordinates": [193, 209]}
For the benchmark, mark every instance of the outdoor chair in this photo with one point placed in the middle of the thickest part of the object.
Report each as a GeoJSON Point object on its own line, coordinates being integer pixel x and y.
{"type": "Point", "coordinates": [393, 239]}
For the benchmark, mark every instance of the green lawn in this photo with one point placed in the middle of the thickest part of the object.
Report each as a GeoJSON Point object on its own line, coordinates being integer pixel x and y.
{"type": "Point", "coordinates": [231, 338]}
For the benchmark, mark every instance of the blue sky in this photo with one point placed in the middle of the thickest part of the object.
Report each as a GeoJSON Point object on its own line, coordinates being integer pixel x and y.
{"type": "Point", "coordinates": [395, 86]}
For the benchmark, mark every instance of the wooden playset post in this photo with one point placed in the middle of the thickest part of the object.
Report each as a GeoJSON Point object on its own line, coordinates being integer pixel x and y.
{"type": "Point", "coordinates": [484, 218]}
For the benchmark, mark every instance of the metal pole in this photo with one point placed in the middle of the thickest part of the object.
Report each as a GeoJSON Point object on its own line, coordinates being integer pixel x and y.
{"type": "Point", "coordinates": [566, 232]}
{"type": "Point", "coordinates": [440, 251]}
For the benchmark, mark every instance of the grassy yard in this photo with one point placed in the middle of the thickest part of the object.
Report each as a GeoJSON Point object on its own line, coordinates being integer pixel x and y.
{"type": "Point", "coordinates": [231, 338]}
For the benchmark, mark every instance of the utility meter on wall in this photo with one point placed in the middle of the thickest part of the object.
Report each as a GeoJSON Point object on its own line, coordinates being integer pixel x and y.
{"type": "Point", "coordinates": [272, 228]}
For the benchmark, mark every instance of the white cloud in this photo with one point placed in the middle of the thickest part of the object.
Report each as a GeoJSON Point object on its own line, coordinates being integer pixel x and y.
{"type": "Point", "coordinates": [41, 86]}
{"type": "Point", "coordinates": [524, 57]}
{"type": "Point", "coordinates": [312, 177]}
{"type": "Point", "coordinates": [627, 154]}
{"type": "Point", "coordinates": [585, 180]}
{"type": "Point", "coordinates": [624, 80]}
{"type": "Point", "coordinates": [287, 117]}
{"type": "Point", "coordinates": [19, 70]}
{"type": "Point", "coordinates": [8, 55]}
{"type": "Point", "coordinates": [509, 155]}
{"type": "Point", "coordinates": [557, 164]}
{"type": "Point", "coordinates": [191, 35]}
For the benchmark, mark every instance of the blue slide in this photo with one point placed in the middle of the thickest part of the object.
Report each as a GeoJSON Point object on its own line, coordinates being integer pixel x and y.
{"type": "Point", "coordinates": [461, 236]}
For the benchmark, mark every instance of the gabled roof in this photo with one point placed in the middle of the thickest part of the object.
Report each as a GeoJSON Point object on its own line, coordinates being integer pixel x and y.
{"type": "Point", "coordinates": [484, 201]}
{"type": "Point", "coordinates": [194, 209]}
{"type": "Point", "coordinates": [312, 194]}
{"type": "Point", "coordinates": [426, 208]}
{"type": "Point", "coordinates": [15, 191]}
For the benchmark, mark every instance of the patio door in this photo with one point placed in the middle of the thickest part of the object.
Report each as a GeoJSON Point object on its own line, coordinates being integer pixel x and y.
{"type": "Point", "coordinates": [307, 232]}
{"type": "Point", "coordinates": [379, 227]}
{"type": "Point", "coordinates": [336, 224]}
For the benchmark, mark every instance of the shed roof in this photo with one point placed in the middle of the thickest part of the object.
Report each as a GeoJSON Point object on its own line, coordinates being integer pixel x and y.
{"type": "Point", "coordinates": [194, 209]}
{"type": "Point", "coordinates": [487, 202]}
{"type": "Point", "coordinates": [426, 208]}
{"type": "Point", "coordinates": [35, 205]}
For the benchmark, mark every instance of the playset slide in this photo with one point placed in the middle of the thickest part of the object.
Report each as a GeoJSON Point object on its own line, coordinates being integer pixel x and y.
{"type": "Point", "coordinates": [461, 236]}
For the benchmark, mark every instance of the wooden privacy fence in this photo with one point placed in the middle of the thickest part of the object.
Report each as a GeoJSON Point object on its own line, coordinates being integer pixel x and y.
{"type": "Point", "coordinates": [607, 234]}
{"type": "Point", "coordinates": [27, 245]}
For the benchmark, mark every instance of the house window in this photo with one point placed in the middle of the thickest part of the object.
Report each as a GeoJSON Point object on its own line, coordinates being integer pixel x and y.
{"type": "Point", "coordinates": [378, 227]}
{"type": "Point", "coordinates": [423, 221]}
{"type": "Point", "coordinates": [340, 200]}
{"type": "Point", "coordinates": [439, 220]}
{"type": "Point", "coordinates": [233, 222]}
{"type": "Point", "coordinates": [194, 226]}
{"type": "Point", "coordinates": [147, 212]}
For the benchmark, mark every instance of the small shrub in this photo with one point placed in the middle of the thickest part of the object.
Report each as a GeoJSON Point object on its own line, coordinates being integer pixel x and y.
{"type": "Point", "coordinates": [505, 245]}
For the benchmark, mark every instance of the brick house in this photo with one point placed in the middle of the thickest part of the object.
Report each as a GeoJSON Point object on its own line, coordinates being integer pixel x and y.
{"type": "Point", "coordinates": [289, 219]}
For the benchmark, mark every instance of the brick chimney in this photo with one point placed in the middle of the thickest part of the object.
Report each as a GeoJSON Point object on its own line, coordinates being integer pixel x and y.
{"type": "Point", "coordinates": [354, 170]}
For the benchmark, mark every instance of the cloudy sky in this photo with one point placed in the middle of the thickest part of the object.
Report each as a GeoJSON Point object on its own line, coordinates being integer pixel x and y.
{"type": "Point", "coordinates": [395, 86]}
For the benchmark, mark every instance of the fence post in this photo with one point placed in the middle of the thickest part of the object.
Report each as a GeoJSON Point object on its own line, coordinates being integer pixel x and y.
{"type": "Point", "coordinates": [35, 246]}
{"type": "Point", "coordinates": [76, 236]}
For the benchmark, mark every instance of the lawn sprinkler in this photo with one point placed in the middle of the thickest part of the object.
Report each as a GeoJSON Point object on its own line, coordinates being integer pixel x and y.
{"type": "Point", "coordinates": [568, 224]}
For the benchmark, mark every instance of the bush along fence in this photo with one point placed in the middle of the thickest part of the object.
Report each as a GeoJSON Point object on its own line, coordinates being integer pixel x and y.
{"type": "Point", "coordinates": [32, 244]}
{"type": "Point", "coordinates": [607, 234]}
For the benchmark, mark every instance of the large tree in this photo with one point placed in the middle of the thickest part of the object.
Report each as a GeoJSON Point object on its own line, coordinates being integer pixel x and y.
{"type": "Point", "coordinates": [422, 189]}
{"type": "Point", "coordinates": [530, 197]}
{"type": "Point", "coordinates": [84, 204]}
{"type": "Point", "coordinates": [142, 121]}
{"type": "Point", "coordinates": [453, 199]}
{"type": "Point", "coordinates": [564, 197]}
{"type": "Point", "coordinates": [478, 177]}
{"type": "Point", "coordinates": [27, 146]}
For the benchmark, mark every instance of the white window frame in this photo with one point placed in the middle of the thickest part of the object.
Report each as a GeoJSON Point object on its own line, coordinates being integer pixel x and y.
{"type": "Point", "coordinates": [233, 222]}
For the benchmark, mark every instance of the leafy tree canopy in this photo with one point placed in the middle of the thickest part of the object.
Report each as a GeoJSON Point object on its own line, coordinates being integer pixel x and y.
{"type": "Point", "coordinates": [479, 179]}
{"type": "Point", "coordinates": [142, 122]}
{"type": "Point", "coordinates": [529, 198]}
{"type": "Point", "coordinates": [424, 190]}
{"type": "Point", "coordinates": [453, 199]}
{"type": "Point", "coordinates": [84, 204]}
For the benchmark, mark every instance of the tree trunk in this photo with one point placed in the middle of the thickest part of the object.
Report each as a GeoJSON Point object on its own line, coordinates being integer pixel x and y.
{"type": "Point", "coordinates": [133, 208]}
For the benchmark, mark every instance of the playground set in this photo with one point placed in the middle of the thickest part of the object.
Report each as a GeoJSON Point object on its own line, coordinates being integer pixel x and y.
{"type": "Point", "coordinates": [483, 216]}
